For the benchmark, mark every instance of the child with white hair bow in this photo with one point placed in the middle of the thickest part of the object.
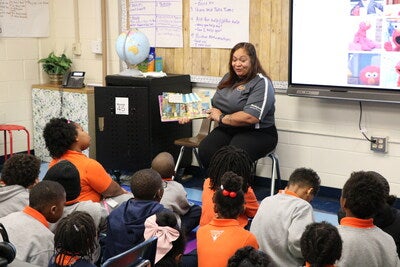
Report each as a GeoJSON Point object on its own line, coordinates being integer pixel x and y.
{"type": "Point", "coordinates": [171, 241]}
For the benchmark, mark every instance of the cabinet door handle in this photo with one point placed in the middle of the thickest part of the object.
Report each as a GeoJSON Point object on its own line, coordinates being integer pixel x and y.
{"type": "Point", "coordinates": [101, 123]}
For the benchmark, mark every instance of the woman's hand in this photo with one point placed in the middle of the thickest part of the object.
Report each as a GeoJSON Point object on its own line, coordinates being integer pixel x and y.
{"type": "Point", "coordinates": [214, 114]}
{"type": "Point", "coordinates": [184, 120]}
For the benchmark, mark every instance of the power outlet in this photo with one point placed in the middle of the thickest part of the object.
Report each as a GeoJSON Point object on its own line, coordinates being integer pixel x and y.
{"type": "Point", "coordinates": [380, 144]}
{"type": "Point", "coordinates": [97, 47]}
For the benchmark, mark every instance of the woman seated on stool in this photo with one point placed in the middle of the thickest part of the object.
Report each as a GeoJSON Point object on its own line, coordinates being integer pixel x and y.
{"type": "Point", "coordinates": [244, 106]}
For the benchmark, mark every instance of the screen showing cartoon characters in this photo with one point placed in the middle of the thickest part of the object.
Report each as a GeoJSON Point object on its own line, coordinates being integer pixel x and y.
{"type": "Point", "coordinates": [345, 43]}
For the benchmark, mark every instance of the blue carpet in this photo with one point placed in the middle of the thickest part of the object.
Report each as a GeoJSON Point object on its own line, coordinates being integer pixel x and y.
{"type": "Point", "coordinates": [325, 206]}
{"type": "Point", "coordinates": [325, 203]}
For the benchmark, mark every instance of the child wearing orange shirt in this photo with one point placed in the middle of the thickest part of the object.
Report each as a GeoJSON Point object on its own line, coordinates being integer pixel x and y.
{"type": "Point", "coordinates": [321, 244]}
{"type": "Point", "coordinates": [75, 241]}
{"type": "Point", "coordinates": [223, 236]}
{"type": "Point", "coordinates": [66, 140]}
{"type": "Point", "coordinates": [237, 160]}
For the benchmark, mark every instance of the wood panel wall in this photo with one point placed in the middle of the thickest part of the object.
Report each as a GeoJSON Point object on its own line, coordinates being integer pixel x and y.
{"type": "Point", "coordinates": [269, 24]}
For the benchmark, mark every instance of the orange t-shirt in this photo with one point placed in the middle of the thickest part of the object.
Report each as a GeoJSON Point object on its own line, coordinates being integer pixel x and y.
{"type": "Point", "coordinates": [219, 240]}
{"type": "Point", "coordinates": [94, 178]}
{"type": "Point", "coordinates": [207, 205]}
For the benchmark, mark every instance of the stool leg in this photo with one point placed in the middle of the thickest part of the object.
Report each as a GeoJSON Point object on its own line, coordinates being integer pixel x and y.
{"type": "Point", "coordinates": [273, 174]}
{"type": "Point", "coordinates": [178, 161]}
{"type": "Point", "coordinates": [11, 143]}
{"type": "Point", "coordinates": [278, 171]}
{"type": "Point", "coordinates": [28, 140]}
{"type": "Point", "coordinates": [5, 145]}
{"type": "Point", "coordinates": [198, 158]}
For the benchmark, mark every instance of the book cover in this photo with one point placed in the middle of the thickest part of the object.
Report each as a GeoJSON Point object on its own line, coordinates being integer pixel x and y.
{"type": "Point", "coordinates": [175, 105]}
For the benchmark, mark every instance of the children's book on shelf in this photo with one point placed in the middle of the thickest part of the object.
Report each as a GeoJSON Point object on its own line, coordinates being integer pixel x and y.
{"type": "Point", "coordinates": [175, 105]}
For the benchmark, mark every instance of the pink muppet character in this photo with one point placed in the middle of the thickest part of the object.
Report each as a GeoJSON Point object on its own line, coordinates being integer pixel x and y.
{"type": "Point", "coordinates": [361, 41]}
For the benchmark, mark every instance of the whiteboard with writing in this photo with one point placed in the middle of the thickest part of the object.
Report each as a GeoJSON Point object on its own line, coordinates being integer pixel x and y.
{"type": "Point", "coordinates": [160, 21]}
{"type": "Point", "coordinates": [218, 23]}
{"type": "Point", "coordinates": [24, 18]}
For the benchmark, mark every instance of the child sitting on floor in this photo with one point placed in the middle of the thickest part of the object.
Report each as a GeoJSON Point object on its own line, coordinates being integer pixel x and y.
{"type": "Point", "coordinates": [249, 257]}
{"type": "Point", "coordinates": [65, 173]}
{"type": "Point", "coordinates": [125, 225]}
{"type": "Point", "coordinates": [175, 196]}
{"type": "Point", "coordinates": [364, 244]}
{"type": "Point", "coordinates": [321, 245]}
{"type": "Point", "coordinates": [29, 229]}
{"type": "Point", "coordinates": [74, 241]}
{"type": "Point", "coordinates": [281, 219]}
{"type": "Point", "coordinates": [388, 217]}
{"type": "Point", "coordinates": [19, 174]}
{"type": "Point", "coordinates": [171, 240]}
{"type": "Point", "coordinates": [218, 240]}
{"type": "Point", "coordinates": [66, 140]}
{"type": "Point", "coordinates": [237, 160]}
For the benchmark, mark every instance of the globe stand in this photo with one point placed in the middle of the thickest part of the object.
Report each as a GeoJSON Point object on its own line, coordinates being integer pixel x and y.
{"type": "Point", "coordinates": [131, 73]}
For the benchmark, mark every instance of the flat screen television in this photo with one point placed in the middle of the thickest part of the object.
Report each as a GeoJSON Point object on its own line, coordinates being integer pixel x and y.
{"type": "Point", "coordinates": [345, 49]}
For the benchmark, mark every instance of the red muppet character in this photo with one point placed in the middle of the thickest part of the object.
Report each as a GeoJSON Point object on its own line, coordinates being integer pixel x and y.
{"type": "Point", "coordinates": [397, 68]}
{"type": "Point", "coordinates": [395, 44]}
{"type": "Point", "coordinates": [370, 75]}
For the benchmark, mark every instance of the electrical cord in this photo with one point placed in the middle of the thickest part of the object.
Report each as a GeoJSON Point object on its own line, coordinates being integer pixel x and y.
{"type": "Point", "coordinates": [359, 125]}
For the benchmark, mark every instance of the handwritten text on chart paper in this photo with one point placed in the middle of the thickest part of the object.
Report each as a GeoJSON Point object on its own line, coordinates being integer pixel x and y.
{"type": "Point", "coordinates": [218, 24]}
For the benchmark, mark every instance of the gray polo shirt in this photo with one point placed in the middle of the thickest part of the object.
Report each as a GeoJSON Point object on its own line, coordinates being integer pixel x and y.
{"type": "Point", "coordinates": [257, 98]}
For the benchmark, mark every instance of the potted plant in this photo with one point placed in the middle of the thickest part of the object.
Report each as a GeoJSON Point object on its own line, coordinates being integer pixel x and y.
{"type": "Point", "coordinates": [56, 66]}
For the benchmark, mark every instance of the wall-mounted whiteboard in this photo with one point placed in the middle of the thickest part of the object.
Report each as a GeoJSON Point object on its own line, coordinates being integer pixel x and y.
{"type": "Point", "coordinates": [24, 18]}
{"type": "Point", "coordinates": [218, 23]}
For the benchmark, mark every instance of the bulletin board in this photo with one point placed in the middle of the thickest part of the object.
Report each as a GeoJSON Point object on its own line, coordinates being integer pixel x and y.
{"type": "Point", "coordinates": [268, 31]}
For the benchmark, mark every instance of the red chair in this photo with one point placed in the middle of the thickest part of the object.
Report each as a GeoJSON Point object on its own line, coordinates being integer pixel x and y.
{"type": "Point", "coordinates": [9, 128]}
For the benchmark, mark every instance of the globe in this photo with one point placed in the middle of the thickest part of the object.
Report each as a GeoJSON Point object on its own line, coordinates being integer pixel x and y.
{"type": "Point", "coordinates": [132, 47]}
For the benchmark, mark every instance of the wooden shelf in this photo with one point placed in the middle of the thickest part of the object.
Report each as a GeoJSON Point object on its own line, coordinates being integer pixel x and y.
{"type": "Point", "coordinates": [54, 87]}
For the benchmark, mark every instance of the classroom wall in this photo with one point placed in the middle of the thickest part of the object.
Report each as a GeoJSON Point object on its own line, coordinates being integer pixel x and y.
{"type": "Point", "coordinates": [268, 31]}
{"type": "Point", "coordinates": [316, 133]}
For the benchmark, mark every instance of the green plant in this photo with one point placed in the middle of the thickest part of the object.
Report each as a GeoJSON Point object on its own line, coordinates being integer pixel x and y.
{"type": "Point", "coordinates": [53, 64]}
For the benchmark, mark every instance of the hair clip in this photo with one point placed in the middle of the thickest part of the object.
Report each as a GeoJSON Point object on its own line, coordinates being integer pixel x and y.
{"type": "Point", "coordinates": [76, 228]}
{"type": "Point", "coordinates": [227, 193]}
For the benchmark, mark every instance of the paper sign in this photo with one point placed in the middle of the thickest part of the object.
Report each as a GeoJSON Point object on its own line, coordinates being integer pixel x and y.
{"type": "Point", "coordinates": [122, 106]}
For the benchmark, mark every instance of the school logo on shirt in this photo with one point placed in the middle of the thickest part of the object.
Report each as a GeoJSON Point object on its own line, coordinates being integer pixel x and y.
{"type": "Point", "coordinates": [241, 87]}
{"type": "Point", "coordinates": [215, 234]}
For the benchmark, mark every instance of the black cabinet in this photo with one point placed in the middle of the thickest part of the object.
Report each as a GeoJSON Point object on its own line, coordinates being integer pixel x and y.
{"type": "Point", "coordinates": [129, 131]}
